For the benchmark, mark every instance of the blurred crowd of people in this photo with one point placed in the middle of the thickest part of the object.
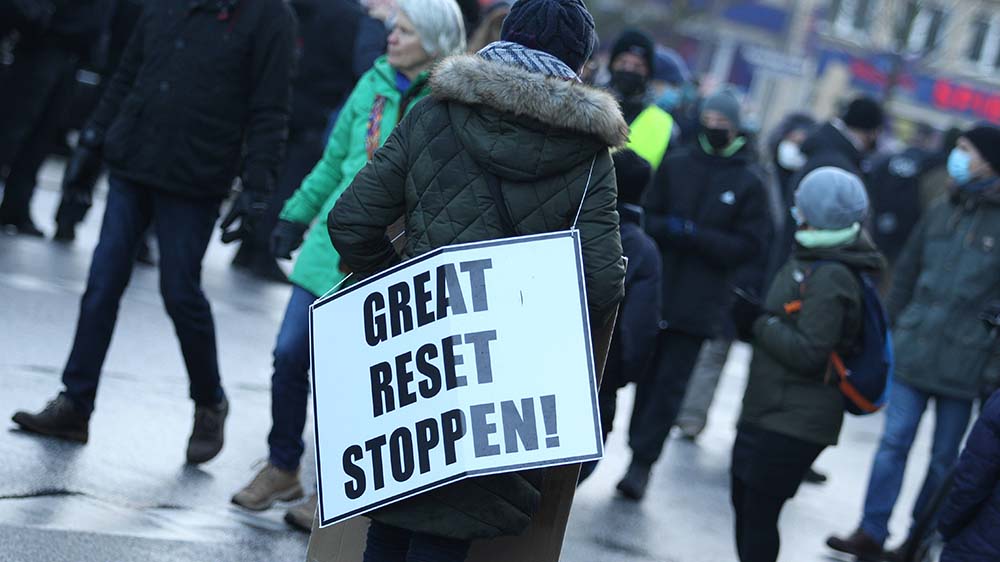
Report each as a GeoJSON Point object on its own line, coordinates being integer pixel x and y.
{"type": "Point", "coordinates": [301, 124]}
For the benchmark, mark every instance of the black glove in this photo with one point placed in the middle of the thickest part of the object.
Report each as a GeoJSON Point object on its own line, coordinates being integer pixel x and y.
{"type": "Point", "coordinates": [248, 208]}
{"type": "Point", "coordinates": [286, 237]}
{"type": "Point", "coordinates": [746, 310]}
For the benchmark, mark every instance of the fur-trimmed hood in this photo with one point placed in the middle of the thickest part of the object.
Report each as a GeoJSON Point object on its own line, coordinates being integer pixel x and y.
{"type": "Point", "coordinates": [562, 104]}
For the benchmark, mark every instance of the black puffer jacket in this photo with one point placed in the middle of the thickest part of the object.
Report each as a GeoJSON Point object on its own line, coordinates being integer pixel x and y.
{"type": "Point", "coordinates": [725, 201]}
{"type": "Point", "coordinates": [197, 91]}
{"type": "Point", "coordinates": [540, 136]}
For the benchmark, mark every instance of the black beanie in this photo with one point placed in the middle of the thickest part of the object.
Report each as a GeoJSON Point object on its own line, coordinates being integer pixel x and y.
{"type": "Point", "coordinates": [561, 28]}
{"type": "Point", "coordinates": [865, 114]}
{"type": "Point", "coordinates": [633, 174]}
{"type": "Point", "coordinates": [638, 43]}
{"type": "Point", "coordinates": [986, 139]}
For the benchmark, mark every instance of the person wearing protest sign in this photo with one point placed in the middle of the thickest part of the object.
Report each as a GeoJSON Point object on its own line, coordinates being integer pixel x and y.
{"type": "Point", "coordinates": [790, 410]}
{"type": "Point", "coordinates": [510, 143]}
{"type": "Point", "coordinates": [200, 97]}
{"type": "Point", "coordinates": [424, 32]}
{"type": "Point", "coordinates": [707, 211]}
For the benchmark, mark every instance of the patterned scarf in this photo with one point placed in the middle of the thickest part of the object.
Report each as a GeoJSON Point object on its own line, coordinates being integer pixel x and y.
{"type": "Point", "coordinates": [529, 59]}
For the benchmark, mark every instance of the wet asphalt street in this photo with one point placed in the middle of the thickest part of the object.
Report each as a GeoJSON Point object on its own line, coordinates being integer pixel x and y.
{"type": "Point", "coordinates": [127, 495]}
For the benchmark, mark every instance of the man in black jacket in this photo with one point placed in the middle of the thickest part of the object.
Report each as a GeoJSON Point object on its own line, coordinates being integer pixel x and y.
{"type": "Point", "coordinates": [707, 211]}
{"type": "Point", "coordinates": [200, 97]}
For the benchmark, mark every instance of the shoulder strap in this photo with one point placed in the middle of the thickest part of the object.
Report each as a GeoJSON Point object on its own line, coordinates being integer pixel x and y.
{"type": "Point", "coordinates": [493, 182]}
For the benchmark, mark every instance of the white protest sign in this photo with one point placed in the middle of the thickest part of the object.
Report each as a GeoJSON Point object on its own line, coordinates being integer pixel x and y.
{"type": "Point", "coordinates": [469, 360]}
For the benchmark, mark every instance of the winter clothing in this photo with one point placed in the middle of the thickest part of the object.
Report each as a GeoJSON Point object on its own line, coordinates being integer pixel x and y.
{"type": "Point", "coordinates": [562, 28]}
{"type": "Point", "coordinates": [540, 136]}
{"type": "Point", "coordinates": [945, 276]}
{"type": "Point", "coordinates": [726, 205]}
{"type": "Point", "coordinates": [864, 114]}
{"type": "Point", "coordinates": [635, 42]}
{"type": "Point", "coordinates": [902, 419]}
{"type": "Point", "coordinates": [786, 392]}
{"type": "Point", "coordinates": [634, 175]}
{"type": "Point", "coordinates": [896, 198]}
{"type": "Point", "coordinates": [528, 59]}
{"type": "Point", "coordinates": [986, 139]}
{"type": "Point", "coordinates": [669, 67]}
{"type": "Point", "coordinates": [183, 228]}
{"type": "Point", "coordinates": [766, 472]}
{"type": "Point", "coordinates": [185, 106]}
{"type": "Point", "coordinates": [828, 146]}
{"type": "Point", "coordinates": [971, 515]}
{"type": "Point", "coordinates": [831, 199]}
{"type": "Point", "coordinates": [726, 104]}
{"type": "Point", "coordinates": [317, 269]}
{"type": "Point", "coordinates": [693, 415]}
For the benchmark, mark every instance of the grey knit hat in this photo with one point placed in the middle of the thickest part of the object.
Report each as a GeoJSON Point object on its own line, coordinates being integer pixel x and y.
{"type": "Point", "coordinates": [829, 198]}
{"type": "Point", "coordinates": [726, 104]}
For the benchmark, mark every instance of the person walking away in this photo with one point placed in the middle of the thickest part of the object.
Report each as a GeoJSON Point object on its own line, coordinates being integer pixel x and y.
{"type": "Point", "coordinates": [707, 212]}
{"type": "Point", "coordinates": [651, 129]}
{"type": "Point", "coordinates": [324, 78]}
{"type": "Point", "coordinates": [945, 276]}
{"type": "Point", "coordinates": [425, 32]}
{"type": "Point", "coordinates": [179, 113]}
{"type": "Point", "coordinates": [790, 410]}
{"type": "Point", "coordinates": [971, 514]}
{"type": "Point", "coordinates": [515, 116]}
{"type": "Point", "coordinates": [639, 316]}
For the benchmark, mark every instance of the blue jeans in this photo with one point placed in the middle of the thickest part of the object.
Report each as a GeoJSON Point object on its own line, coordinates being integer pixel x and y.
{"type": "Point", "coordinates": [183, 228]}
{"type": "Point", "coordinates": [392, 544]}
{"type": "Point", "coordinates": [906, 408]}
{"type": "Point", "coordinates": [290, 383]}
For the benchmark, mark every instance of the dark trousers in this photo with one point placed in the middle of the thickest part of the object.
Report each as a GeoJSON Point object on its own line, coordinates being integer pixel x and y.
{"type": "Point", "coordinates": [34, 95]}
{"type": "Point", "coordinates": [659, 395]}
{"type": "Point", "coordinates": [304, 151]}
{"type": "Point", "coordinates": [183, 229]}
{"type": "Point", "coordinates": [290, 383]}
{"type": "Point", "coordinates": [392, 544]}
{"type": "Point", "coordinates": [766, 472]}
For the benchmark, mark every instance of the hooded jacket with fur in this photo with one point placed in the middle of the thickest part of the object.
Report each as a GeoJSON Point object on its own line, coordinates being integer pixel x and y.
{"type": "Point", "coordinates": [539, 136]}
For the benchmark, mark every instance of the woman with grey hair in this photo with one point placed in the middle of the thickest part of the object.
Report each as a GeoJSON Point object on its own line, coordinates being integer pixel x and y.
{"type": "Point", "coordinates": [424, 31]}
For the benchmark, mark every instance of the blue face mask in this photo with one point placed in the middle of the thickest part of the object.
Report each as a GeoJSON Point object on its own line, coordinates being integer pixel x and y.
{"type": "Point", "coordinates": [670, 99]}
{"type": "Point", "coordinates": [958, 166]}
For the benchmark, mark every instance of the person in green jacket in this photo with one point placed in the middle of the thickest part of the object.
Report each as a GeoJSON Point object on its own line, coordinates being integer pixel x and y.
{"type": "Point", "coordinates": [425, 31]}
{"type": "Point", "coordinates": [790, 411]}
{"type": "Point", "coordinates": [945, 276]}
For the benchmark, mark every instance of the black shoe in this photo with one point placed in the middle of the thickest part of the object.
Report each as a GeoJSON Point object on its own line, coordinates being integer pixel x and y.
{"type": "Point", "coordinates": [208, 433]}
{"type": "Point", "coordinates": [813, 477]}
{"type": "Point", "coordinates": [60, 418]}
{"type": "Point", "coordinates": [267, 269]}
{"type": "Point", "coordinates": [633, 485]}
{"type": "Point", "coordinates": [858, 544]}
{"type": "Point", "coordinates": [24, 227]}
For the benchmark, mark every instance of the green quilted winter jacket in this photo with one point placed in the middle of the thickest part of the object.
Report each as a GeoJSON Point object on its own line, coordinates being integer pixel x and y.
{"type": "Point", "coordinates": [317, 268]}
{"type": "Point", "coordinates": [539, 136]}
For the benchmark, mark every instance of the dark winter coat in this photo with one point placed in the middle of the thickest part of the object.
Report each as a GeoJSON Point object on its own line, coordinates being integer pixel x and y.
{"type": "Point", "coordinates": [196, 93]}
{"type": "Point", "coordinates": [970, 518]}
{"type": "Point", "coordinates": [787, 391]}
{"type": "Point", "coordinates": [828, 146]}
{"type": "Point", "coordinates": [726, 202]}
{"type": "Point", "coordinates": [638, 322]}
{"type": "Point", "coordinates": [894, 189]}
{"type": "Point", "coordinates": [946, 275]}
{"type": "Point", "coordinates": [539, 136]}
{"type": "Point", "coordinates": [326, 73]}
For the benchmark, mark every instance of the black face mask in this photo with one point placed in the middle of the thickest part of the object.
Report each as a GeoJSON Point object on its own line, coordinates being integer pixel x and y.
{"type": "Point", "coordinates": [718, 138]}
{"type": "Point", "coordinates": [627, 83]}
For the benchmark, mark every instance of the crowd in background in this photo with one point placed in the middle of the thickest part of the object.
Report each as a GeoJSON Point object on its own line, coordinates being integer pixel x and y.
{"type": "Point", "coordinates": [302, 140]}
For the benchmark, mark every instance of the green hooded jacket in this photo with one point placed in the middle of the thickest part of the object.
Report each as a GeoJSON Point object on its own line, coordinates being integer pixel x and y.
{"type": "Point", "coordinates": [317, 268]}
{"type": "Point", "coordinates": [789, 390]}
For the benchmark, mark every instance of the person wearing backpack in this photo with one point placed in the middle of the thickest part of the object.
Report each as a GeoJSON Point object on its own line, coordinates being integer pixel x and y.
{"type": "Point", "coordinates": [944, 278]}
{"type": "Point", "coordinates": [792, 409]}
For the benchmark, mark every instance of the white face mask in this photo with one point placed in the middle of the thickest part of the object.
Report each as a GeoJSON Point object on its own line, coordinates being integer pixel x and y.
{"type": "Point", "coordinates": [790, 156]}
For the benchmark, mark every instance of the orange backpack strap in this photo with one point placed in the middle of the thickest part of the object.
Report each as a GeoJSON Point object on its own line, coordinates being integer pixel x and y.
{"type": "Point", "coordinates": [847, 388]}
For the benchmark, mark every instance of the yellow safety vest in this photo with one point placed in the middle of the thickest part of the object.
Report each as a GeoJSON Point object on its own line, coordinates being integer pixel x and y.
{"type": "Point", "coordinates": [650, 134]}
